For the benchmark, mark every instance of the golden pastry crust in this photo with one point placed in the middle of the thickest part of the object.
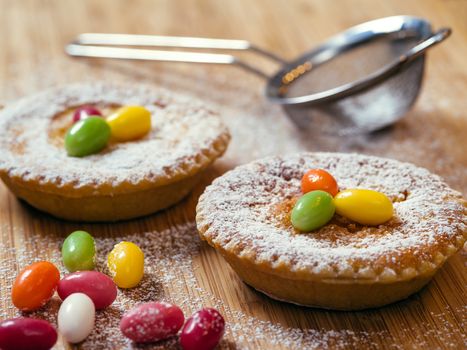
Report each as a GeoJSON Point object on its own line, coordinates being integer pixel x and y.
{"type": "Point", "coordinates": [245, 215]}
{"type": "Point", "coordinates": [185, 139]}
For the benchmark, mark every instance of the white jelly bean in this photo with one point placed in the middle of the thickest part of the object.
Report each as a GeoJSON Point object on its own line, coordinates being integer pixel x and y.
{"type": "Point", "coordinates": [76, 317]}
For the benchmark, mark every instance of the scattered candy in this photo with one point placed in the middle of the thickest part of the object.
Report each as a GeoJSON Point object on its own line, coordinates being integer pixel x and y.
{"type": "Point", "coordinates": [87, 136]}
{"type": "Point", "coordinates": [203, 330]}
{"type": "Point", "coordinates": [151, 322]}
{"type": "Point", "coordinates": [130, 123]}
{"type": "Point", "coordinates": [27, 333]}
{"type": "Point", "coordinates": [319, 179]}
{"type": "Point", "coordinates": [35, 285]}
{"type": "Point", "coordinates": [366, 207]}
{"type": "Point", "coordinates": [126, 264]}
{"type": "Point", "coordinates": [76, 317]}
{"type": "Point", "coordinates": [78, 251]}
{"type": "Point", "coordinates": [97, 286]}
{"type": "Point", "coordinates": [312, 211]}
{"type": "Point", "coordinates": [85, 112]}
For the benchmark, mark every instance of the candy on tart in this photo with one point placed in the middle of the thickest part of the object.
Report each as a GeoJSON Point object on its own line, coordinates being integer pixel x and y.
{"type": "Point", "coordinates": [123, 180]}
{"type": "Point", "coordinates": [245, 215]}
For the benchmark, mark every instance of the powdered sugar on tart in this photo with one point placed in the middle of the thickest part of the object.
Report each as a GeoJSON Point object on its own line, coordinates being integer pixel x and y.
{"type": "Point", "coordinates": [185, 137]}
{"type": "Point", "coordinates": [246, 212]}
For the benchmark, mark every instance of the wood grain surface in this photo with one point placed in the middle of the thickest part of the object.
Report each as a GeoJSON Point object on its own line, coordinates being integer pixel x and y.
{"type": "Point", "coordinates": [433, 135]}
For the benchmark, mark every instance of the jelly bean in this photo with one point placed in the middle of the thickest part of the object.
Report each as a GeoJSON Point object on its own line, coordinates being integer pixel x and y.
{"type": "Point", "coordinates": [35, 285]}
{"type": "Point", "coordinates": [366, 207]}
{"type": "Point", "coordinates": [130, 123]}
{"type": "Point", "coordinates": [78, 251]}
{"type": "Point", "coordinates": [99, 287]}
{"type": "Point", "coordinates": [84, 112]}
{"type": "Point", "coordinates": [203, 330]}
{"type": "Point", "coordinates": [76, 317]}
{"type": "Point", "coordinates": [27, 333]}
{"type": "Point", "coordinates": [126, 264]}
{"type": "Point", "coordinates": [319, 179]}
{"type": "Point", "coordinates": [87, 136]}
{"type": "Point", "coordinates": [312, 211]}
{"type": "Point", "coordinates": [151, 322]}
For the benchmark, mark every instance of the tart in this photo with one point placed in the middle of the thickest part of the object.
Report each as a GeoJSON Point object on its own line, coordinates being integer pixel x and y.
{"type": "Point", "coordinates": [124, 180]}
{"type": "Point", "coordinates": [245, 215]}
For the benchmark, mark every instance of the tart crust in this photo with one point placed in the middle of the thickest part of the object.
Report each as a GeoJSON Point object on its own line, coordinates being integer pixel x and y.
{"type": "Point", "coordinates": [126, 179]}
{"type": "Point", "coordinates": [245, 216]}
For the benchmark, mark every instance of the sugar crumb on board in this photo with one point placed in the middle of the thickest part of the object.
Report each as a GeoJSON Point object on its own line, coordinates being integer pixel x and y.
{"type": "Point", "coordinates": [170, 276]}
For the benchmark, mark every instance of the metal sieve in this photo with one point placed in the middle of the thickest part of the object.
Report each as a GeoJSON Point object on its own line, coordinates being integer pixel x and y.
{"type": "Point", "coordinates": [360, 80]}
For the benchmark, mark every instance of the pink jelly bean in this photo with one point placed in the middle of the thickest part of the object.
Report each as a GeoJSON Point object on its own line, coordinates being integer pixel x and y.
{"type": "Point", "coordinates": [27, 333]}
{"type": "Point", "coordinates": [203, 330]}
{"type": "Point", "coordinates": [151, 322]}
{"type": "Point", "coordinates": [85, 112]}
{"type": "Point", "coordinates": [97, 286]}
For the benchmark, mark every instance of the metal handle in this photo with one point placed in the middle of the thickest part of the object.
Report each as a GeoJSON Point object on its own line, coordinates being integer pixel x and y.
{"type": "Point", "coordinates": [420, 48]}
{"type": "Point", "coordinates": [102, 46]}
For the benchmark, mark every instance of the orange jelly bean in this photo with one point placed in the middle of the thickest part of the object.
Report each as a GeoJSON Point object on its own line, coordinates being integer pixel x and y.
{"type": "Point", "coordinates": [35, 285]}
{"type": "Point", "coordinates": [319, 179]}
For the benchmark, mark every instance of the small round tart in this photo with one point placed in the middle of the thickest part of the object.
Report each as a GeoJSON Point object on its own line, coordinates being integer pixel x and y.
{"type": "Point", "coordinates": [245, 215]}
{"type": "Point", "coordinates": [125, 179]}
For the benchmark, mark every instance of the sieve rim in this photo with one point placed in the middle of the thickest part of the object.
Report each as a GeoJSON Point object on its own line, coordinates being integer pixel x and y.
{"type": "Point", "coordinates": [343, 42]}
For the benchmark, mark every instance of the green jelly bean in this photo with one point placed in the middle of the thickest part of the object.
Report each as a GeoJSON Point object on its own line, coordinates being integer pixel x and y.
{"type": "Point", "coordinates": [312, 211]}
{"type": "Point", "coordinates": [87, 136]}
{"type": "Point", "coordinates": [78, 251]}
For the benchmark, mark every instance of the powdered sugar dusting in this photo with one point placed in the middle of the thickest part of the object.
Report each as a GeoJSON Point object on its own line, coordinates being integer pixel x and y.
{"type": "Point", "coordinates": [170, 276]}
{"type": "Point", "coordinates": [236, 212]}
{"type": "Point", "coordinates": [183, 131]}
{"type": "Point", "coordinates": [429, 136]}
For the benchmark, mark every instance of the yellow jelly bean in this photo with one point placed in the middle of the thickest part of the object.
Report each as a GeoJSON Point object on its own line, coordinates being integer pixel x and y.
{"type": "Point", "coordinates": [130, 123]}
{"type": "Point", "coordinates": [126, 264]}
{"type": "Point", "coordinates": [366, 207]}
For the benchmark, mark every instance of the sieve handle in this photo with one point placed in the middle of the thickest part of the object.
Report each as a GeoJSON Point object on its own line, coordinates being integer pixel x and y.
{"type": "Point", "coordinates": [420, 48]}
{"type": "Point", "coordinates": [101, 45]}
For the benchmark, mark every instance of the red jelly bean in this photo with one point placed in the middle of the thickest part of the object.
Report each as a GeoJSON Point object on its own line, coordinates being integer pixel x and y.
{"type": "Point", "coordinates": [97, 286]}
{"type": "Point", "coordinates": [203, 330]}
{"type": "Point", "coordinates": [151, 322]}
{"type": "Point", "coordinates": [27, 333]}
{"type": "Point", "coordinates": [35, 285]}
{"type": "Point", "coordinates": [85, 112]}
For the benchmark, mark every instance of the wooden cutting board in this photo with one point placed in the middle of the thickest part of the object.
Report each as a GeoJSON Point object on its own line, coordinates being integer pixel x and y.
{"type": "Point", "coordinates": [182, 270]}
